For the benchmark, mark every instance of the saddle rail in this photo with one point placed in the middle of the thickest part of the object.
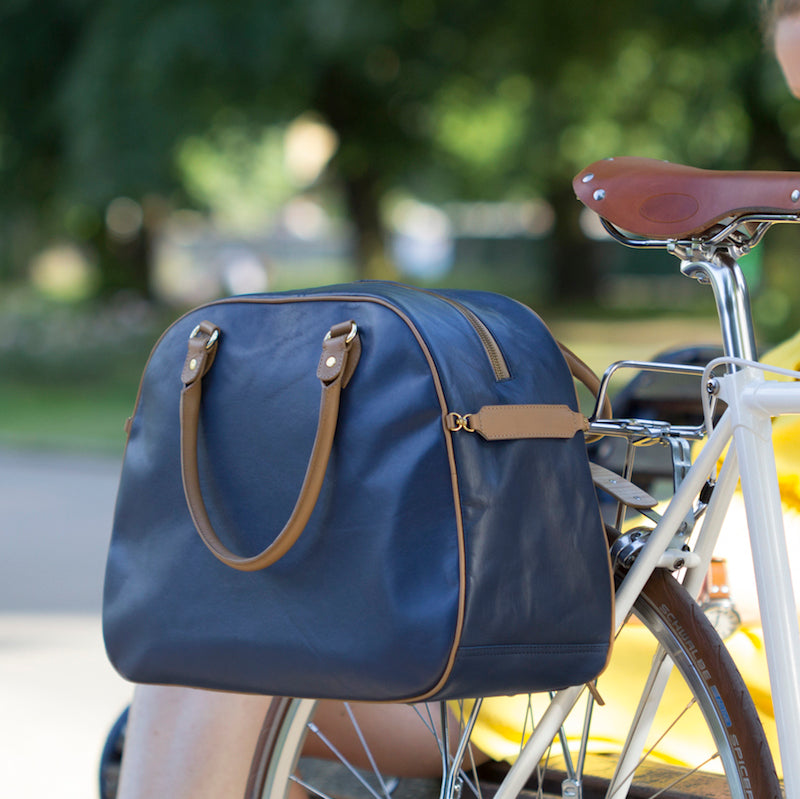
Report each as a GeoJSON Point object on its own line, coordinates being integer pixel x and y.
{"type": "Point", "coordinates": [647, 202]}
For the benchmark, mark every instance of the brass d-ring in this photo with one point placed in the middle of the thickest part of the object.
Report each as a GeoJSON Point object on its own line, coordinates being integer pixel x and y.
{"type": "Point", "coordinates": [350, 336]}
{"type": "Point", "coordinates": [212, 338]}
{"type": "Point", "coordinates": [455, 422]}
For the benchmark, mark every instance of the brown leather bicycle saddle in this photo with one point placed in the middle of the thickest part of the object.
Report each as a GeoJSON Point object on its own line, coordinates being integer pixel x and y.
{"type": "Point", "coordinates": [660, 200]}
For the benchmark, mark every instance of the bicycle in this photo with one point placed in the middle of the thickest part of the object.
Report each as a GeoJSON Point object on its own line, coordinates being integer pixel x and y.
{"type": "Point", "coordinates": [708, 220]}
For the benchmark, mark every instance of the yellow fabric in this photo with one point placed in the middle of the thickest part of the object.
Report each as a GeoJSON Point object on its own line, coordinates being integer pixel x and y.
{"type": "Point", "coordinates": [502, 720]}
{"type": "Point", "coordinates": [786, 430]}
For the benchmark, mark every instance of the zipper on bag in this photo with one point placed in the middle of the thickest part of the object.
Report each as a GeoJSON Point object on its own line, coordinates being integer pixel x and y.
{"type": "Point", "coordinates": [490, 345]}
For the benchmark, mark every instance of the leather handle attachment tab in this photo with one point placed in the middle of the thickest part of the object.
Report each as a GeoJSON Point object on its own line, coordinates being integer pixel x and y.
{"type": "Point", "coordinates": [497, 422]}
{"type": "Point", "coordinates": [341, 350]}
{"type": "Point", "coordinates": [505, 422]}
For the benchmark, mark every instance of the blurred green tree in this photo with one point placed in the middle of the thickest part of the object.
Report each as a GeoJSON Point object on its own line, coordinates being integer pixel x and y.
{"type": "Point", "coordinates": [467, 99]}
{"type": "Point", "coordinates": [35, 43]}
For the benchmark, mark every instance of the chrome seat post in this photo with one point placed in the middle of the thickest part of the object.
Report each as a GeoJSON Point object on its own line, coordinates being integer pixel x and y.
{"type": "Point", "coordinates": [721, 270]}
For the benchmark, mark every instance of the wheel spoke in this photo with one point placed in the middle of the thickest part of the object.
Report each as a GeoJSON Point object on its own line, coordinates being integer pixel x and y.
{"type": "Point", "coordinates": [714, 724]}
{"type": "Point", "coordinates": [684, 777]}
{"type": "Point", "coordinates": [367, 751]}
{"type": "Point", "coordinates": [343, 760]}
{"type": "Point", "coordinates": [312, 790]}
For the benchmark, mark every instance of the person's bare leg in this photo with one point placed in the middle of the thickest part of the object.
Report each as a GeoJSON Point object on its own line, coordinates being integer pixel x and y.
{"type": "Point", "coordinates": [182, 743]}
{"type": "Point", "coordinates": [398, 736]}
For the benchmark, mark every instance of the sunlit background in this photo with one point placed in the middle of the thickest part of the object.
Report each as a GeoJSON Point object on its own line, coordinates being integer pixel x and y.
{"type": "Point", "coordinates": [156, 155]}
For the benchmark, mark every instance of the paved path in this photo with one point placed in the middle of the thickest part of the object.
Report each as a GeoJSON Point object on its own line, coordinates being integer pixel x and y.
{"type": "Point", "coordinates": [58, 694]}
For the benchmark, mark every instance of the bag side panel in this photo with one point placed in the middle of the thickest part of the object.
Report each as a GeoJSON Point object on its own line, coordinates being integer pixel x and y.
{"type": "Point", "coordinates": [538, 575]}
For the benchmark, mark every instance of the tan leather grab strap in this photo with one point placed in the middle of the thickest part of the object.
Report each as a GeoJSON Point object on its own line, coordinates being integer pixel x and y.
{"type": "Point", "coordinates": [340, 353]}
{"type": "Point", "coordinates": [504, 422]}
{"type": "Point", "coordinates": [497, 422]}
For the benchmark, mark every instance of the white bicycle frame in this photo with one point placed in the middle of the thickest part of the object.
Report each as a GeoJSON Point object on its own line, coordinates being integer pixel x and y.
{"type": "Point", "coordinates": [745, 429]}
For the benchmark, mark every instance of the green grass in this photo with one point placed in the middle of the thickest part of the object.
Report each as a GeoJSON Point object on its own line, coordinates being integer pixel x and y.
{"type": "Point", "coordinates": [77, 418]}
{"type": "Point", "coordinates": [69, 373]}
{"type": "Point", "coordinates": [600, 343]}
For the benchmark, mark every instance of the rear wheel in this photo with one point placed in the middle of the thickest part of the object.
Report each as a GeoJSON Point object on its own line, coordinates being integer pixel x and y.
{"type": "Point", "coordinates": [697, 736]}
{"type": "Point", "coordinates": [111, 757]}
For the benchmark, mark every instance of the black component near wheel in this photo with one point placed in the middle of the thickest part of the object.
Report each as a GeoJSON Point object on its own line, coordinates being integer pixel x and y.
{"type": "Point", "coordinates": [111, 757]}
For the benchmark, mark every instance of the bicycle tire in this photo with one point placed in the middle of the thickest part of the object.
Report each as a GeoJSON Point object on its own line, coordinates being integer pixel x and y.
{"type": "Point", "coordinates": [705, 667]}
{"type": "Point", "coordinates": [111, 757]}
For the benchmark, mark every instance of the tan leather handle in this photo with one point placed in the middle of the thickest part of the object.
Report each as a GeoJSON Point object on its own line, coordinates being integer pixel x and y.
{"type": "Point", "coordinates": [584, 373]}
{"type": "Point", "coordinates": [340, 353]}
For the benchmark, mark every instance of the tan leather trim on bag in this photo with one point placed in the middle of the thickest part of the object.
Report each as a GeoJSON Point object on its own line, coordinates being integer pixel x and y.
{"type": "Point", "coordinates": [585, 374]}
{"type": "Point", "coordinates": [497, 422]}
{"type": "Point", "coordinates": [621, 489]}
{"type": "Point", "coordinates": [340, 352]}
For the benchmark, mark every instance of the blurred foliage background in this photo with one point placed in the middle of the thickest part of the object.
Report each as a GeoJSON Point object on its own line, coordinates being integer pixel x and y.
{"type": "Point", "coordinates": [154, 155]}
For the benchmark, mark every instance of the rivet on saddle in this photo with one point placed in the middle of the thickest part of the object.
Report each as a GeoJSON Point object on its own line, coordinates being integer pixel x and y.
{"type": "Point", "coordinates": [660, 200]}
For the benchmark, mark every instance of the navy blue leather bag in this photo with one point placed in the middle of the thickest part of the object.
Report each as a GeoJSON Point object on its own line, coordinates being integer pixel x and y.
{"type": "Point", "coordinates": [367, 492]}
